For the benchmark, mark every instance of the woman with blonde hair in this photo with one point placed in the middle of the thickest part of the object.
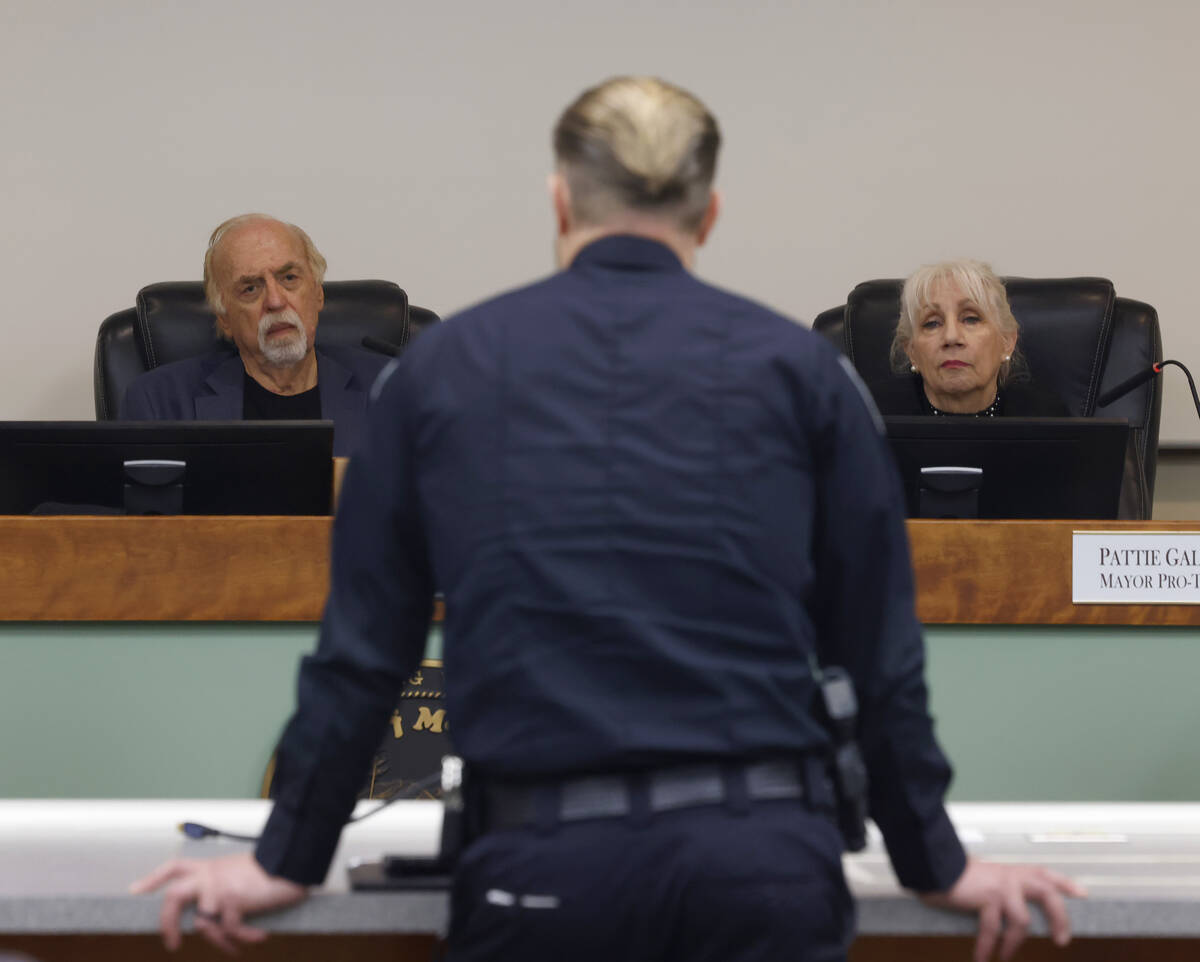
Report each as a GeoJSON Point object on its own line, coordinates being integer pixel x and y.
{"type": "Point", "coordinates": [958, 339]}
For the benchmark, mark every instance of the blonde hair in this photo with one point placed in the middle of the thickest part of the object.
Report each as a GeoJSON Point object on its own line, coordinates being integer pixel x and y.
{"type": "Point", "coordinates": [212, 294]}
{"type": "Point", "coordinates": [977, 281]}
{"type": "Point", "coordinates": [638, 143]}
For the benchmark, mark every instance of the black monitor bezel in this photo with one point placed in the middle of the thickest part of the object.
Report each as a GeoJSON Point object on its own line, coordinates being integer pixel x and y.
{"type": "Point", "coordinates": [235, 467]}
{"type": "Point", "coordinates": [1034, 468]}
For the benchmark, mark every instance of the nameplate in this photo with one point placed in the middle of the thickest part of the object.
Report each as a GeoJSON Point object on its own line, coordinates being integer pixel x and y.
{"type": "Point", "coordinates": [1135, 568]}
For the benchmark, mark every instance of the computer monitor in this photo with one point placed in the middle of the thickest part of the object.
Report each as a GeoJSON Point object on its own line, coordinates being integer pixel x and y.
{"type": "Point", "coordinates": [1029, 467]}
{"type": "Point", "coordinates": [229, 467]}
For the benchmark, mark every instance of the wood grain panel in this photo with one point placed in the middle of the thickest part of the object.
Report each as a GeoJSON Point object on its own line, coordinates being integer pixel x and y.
{"type": "Point", "coordinates": [277, 569]}
{"type": "Point", "coordinates": [1019, 573]}
{"type": "Point", "coordinates": [163, 569]}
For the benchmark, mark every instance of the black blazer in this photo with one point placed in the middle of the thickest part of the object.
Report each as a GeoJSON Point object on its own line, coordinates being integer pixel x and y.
{"type": "Point", "coordinates": [209, 388]}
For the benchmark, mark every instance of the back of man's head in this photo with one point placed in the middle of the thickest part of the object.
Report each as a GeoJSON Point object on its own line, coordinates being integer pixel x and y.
{"type": "Point", "coordinates": [638, 144]}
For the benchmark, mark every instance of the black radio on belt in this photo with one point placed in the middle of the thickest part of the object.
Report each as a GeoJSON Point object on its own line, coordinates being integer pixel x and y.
{"type": "Point", "coordinates": [849, 770]}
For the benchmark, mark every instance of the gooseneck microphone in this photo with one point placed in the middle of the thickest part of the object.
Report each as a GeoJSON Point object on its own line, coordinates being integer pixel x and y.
{"type": "Point", "coordinates": [198, 831]}
{"type": "Point", "coordinates": [1142, 377]}
{"type": "Point", "coordinates": [380, 346]}
{"type": "Point", "coordinates": [1129, 384]}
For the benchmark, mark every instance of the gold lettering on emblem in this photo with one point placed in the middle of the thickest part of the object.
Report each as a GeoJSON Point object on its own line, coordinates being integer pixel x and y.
{"type": "Point", "coordinates": [397, 724]}
{"type": "Point", "coordinates": [417, 680]}
{"type": "Point", "coordinates": [431, 721]}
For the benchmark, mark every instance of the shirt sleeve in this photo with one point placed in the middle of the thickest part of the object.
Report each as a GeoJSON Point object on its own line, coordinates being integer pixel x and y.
{"type": "Point", "coordinates": [865, 616]}
{"type": "Point", "coordinates": [372, 637]}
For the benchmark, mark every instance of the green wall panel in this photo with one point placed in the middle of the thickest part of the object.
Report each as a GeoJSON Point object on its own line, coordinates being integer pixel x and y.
{"type": "Point", "coordinates": [145, 710]}
{"type": "Point", "coordinates": [193, 710]}
{"type": "Point", "coordinates": [1068, 713]}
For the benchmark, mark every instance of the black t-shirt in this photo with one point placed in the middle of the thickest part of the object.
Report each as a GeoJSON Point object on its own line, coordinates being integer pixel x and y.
{"type": "Point", "coordinates": [259, 404]}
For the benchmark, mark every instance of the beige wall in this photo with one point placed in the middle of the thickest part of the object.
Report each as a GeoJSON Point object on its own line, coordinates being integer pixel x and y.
{"type": "Point", "coordinates": [1177, 487]}
{"type": "Point", "coordinates": [863, 138]}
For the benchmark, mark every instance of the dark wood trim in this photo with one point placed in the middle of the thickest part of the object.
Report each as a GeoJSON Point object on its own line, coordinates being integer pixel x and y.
{"type": "Point", "coordinates": [277, 948]}
{"type": "Point", "coordinates": [937, 949]}
{"type": "Point", "coordinates": [420, 948]}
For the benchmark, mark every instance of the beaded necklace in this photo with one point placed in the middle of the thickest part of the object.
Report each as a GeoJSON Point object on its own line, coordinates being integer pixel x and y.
{"type": "Point", "coordinates": [991, 411]}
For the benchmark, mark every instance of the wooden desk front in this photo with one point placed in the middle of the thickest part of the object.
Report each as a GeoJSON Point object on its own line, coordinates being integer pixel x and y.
{"type": "Point", "coordinates": [277, 569]}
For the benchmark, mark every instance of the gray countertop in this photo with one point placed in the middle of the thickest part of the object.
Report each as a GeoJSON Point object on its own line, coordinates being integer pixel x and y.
{"type": "Point", "coordinates": [65, 866]}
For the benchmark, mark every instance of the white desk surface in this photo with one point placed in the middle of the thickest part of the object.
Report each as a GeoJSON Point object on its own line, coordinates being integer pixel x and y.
{"type": "Point", "coordinates": [65, 866]}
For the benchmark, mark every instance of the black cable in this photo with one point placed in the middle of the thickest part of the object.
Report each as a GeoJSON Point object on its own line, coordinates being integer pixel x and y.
{"type": "Point", "coordinates": [197, 831]}
{"type": "Point", "coordinates": [1191, 383]}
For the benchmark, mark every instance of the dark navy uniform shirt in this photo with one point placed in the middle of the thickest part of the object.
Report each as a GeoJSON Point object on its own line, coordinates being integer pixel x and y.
{"type": "Point", "coordinates": [649, 504]}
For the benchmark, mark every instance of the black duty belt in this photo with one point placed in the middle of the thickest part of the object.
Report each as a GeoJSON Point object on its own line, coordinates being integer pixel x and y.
{"type": "Point", "coordinates": [512, 805]}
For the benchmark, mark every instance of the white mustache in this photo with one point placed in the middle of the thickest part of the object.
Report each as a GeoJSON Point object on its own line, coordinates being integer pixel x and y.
{"type": "Point", "coordinates": [291, 350]}
{"type": "Point", "coordinates": [286, 316]}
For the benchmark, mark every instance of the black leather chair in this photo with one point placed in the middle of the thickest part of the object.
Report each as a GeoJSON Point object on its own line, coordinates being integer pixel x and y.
{"type": "Point", "coordinates": [1079, 338]}
{"type": "Point", "coordinates": [171, 322]}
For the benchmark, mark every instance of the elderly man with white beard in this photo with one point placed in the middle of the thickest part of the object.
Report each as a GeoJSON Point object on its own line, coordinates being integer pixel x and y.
{"type": "Point", "coordinates": [262, 279]}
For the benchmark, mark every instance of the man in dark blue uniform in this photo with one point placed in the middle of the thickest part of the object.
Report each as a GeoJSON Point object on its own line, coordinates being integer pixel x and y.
{"type": "Point", "coordinates": [654, 509]}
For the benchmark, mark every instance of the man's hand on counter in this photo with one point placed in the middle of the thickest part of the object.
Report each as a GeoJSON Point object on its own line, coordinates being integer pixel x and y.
{"type": "Point", "coordinates": [1001, 894]}
{"type": "Point", "coordinates": [224, 890]}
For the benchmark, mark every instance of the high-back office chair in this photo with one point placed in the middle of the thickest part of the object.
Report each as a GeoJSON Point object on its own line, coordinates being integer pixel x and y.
{"type": "Point", "coordinates": [1079, 338]}
{"type": "Point", "coordinates": [171, 322]}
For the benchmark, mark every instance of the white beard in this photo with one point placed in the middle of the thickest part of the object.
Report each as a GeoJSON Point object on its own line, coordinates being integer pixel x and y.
{"type": "Point", "coordinates": [282, 351]}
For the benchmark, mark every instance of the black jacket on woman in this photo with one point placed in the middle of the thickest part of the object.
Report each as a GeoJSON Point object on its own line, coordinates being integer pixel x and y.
{"type": "Point", "coordinates": [905, 395]}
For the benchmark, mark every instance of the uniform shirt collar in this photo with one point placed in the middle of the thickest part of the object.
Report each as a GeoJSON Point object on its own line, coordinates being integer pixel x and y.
{"type": "Point", "coordinates": [627, 252]}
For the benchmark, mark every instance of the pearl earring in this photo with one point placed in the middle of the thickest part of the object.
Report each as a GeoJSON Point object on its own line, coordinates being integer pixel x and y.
{"type": "Point", "coordinates": [913, 368]}
{"type": "Point", "coordinates": [1006, 358]}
